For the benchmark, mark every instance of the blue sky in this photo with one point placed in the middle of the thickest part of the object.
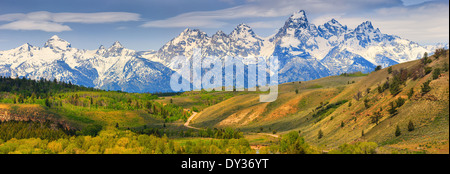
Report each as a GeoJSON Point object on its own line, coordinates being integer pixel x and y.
{"type": "Point", "coordinates": [148, 24]}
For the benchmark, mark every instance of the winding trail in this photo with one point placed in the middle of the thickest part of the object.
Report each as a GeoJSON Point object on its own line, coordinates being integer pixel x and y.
{"type": "Point", "coordinates": [272, 135]}
{"type": "Point", "coordinates": [195, 113]}
{"type": "Point", "coordinates": [189, 120]}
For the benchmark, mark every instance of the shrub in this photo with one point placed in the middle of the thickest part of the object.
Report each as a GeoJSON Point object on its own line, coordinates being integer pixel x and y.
{"type": "Point", "coordinates": [357, 148]}
{"type": "Point", "coordinates": [376, 117]}
{"type": "Point", "coordinates": [400, 101]}
{"type": "Point", "coordinates": [439, 52]}
{"type": "Point", "coordinates": [378, 68]}
{"type": "Point", "coordinates": [380, 89]}
{"type": "Point", "coordinates": [428, 70]}
{"type": "Point", "coordinates": [398, 132]}
{"type": "Point", "coordinates": [320, 134]}
{"type": "Point", "coordinates": [410, 93]}
{"type": "Point", "coordinates": [91, 130]}
{"type": "Point", "coordinates": [395, 87]}
{"type": "Point", "coordinates": [393, 109]}
{"type": "Point", "coordinates": [426, 87]}
{"type": "Point", "coordinates": [390, 69]}
{"type": "Point", "coordinates": [357, 96]}
{"type": "Point", "coordinates": [366, 103]}
{"type": "Point", "coordinates": [292, 143]}
{"type": "Point", "coordinates": [410, 126]}
{"type": "Point", "coordinates": [385, 86]}
{"type": "Point", "coordinates": [445, 69]}
{"type": "Point", "coordinates": [436, 73]}
{"type": "Point", "coordinates": [426, 59]}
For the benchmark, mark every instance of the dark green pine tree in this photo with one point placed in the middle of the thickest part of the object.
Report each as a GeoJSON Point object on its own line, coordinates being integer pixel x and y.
{"type": "Point", "coordinates": [410, 126]}
{"type": "Point", "coordinates": [398, 131]}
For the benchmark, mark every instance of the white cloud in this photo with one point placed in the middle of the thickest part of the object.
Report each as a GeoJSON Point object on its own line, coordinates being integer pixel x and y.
{"type": "Point", "coordinates": [267, 9]}
{"type": "Point", "coordinates": [53, 22]}
{"type": "Point", "coordinates": [103, 17]}
{"type": "Point", "coordinates": [35, 25]}
{"type": "Point", "coordinates": [425, 22]}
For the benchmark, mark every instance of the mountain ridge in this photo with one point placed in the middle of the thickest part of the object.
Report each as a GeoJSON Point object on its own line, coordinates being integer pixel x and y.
{"type": "Point", "coordinates": [305, 52]}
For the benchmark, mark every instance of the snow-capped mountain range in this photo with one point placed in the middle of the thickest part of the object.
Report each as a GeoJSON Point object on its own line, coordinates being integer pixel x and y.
{"type": "Point", "coordinates": [305, 52]}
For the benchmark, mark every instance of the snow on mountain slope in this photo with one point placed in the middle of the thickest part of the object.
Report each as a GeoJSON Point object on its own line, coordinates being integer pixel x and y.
{"type": "Point", "coordinates": [305, 52]}
{"type": "Point", "coordinates": [101, 68]}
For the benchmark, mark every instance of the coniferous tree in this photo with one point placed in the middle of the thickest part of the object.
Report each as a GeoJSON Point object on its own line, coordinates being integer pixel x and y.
{"type": "Point", "coordinates": [426, 87]}
{"type": "Point", "coordinates": [410, 126]}
{"type": "Point", "coordinates": [320, 135]}
{"type": "Point", "coordinates": [378, 68]}
{"type": "Point", "coordinates": [366, 103]}
{"type": "Point", "coordinates": [436, 73]}
{"type": "Point", "coordinates": [398, 131]}
{"type": "Point", "coordinates": [410, 93]}
{"type": "Point", "coordinates": [393, 109]}
{"type": "Point", "coordinates": [376, 117]}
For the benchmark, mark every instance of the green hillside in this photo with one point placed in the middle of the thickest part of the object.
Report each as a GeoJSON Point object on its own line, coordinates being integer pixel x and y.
{"type": "Point", "coordinates": [399, 109]}
{"type": "Point", "coordinates": [345, 107]}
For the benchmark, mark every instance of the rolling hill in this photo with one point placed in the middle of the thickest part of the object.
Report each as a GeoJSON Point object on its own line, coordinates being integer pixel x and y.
{"type": "Point", "coordinates": [352, 108]}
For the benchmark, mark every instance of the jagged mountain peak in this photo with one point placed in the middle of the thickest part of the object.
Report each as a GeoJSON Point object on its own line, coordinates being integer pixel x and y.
{"type": "Point", "coordinates": [101, 50]}
{"type": "Point", "coordinates": [334, 22]}
{"type": "Point", "coordinates": [243, 26]}
{"type": "Point", "coordinates": [116, 44]}
{"type": "Point", "coordinates": [189, 31]}
{"type": "Point", "coordinates": [220, 33]}
{"type": "Point", "coordinates": [297, 20]}
{"type": "Point", "coordinates": [332, 28]}
{"type": "Point", "coordinates": [188, 36]}
{"type": "Point", "coordinates": [55, 37]}
{"type": "Point", "coordinates": [26, 45]}
{"type": "Point", "coordinates": [243, 31]}
{"type": "Point", "coordinates": [365, 26]}
{"type": "Point", "coordinates": [300, 15]}
{"type": "Point", "coordinates": [56, 42]}
{"type": "Point", "coordinates": [297, 24]}
{"type": "Point", "coordinates": [305, 52]}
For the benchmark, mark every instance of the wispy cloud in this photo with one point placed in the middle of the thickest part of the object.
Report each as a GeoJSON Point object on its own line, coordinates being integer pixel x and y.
{"type": "Point", "coordinates": [426, 22]}
{"type": "Point", "coordinates": [266, 9]}
{"type": "Point", "coordinates": [54, 22]}
{"type": "Point", "coordinates": [35, 25]}
{"type": "Point", "coordinates": [423, 22]}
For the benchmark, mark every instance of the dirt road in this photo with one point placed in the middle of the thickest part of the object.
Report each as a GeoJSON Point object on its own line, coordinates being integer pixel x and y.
{"type": "Point", "coordinates": [273, 135]}
{"type": "Point", "coordinates": [189, 120]}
